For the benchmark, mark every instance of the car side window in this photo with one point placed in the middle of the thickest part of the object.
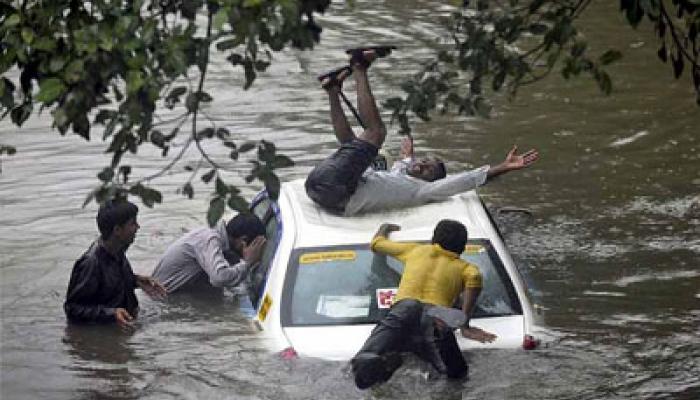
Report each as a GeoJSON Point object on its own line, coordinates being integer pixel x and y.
{"type": "Point", "coordinates": [265, 210]}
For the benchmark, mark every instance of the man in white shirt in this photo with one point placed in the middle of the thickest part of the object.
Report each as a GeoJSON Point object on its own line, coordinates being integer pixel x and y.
{"type": "Point", "coordinates": [343, 184]}
{"type": "Point", "coordinates": [198, 261]}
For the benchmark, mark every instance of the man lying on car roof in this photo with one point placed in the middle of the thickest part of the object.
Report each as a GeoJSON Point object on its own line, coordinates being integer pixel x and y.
{"type": "Point", "coordinates": [343, 184]}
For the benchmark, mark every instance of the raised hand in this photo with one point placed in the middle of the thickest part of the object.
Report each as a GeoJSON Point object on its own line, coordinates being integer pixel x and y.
{"type": "Point", "coordinates": [515, 161]}
{"type": "Point", "coordinates": [252, 253]}
{"type": "Point", "coordinates": [406, 147]}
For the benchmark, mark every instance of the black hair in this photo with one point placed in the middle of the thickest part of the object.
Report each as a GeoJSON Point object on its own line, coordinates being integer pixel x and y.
{"type": "Point", "coordinates": [114, 213]}
{"type": "Point", "coordinates": [248, 225]}
{"type": "Point", "coordinates": [441, 170]}
{"type": "Point", "coordinates": [450, 235]}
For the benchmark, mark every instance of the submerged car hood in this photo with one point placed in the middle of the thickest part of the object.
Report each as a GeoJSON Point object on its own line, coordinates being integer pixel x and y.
{"type": "Point", "coordinates": [344, 341]}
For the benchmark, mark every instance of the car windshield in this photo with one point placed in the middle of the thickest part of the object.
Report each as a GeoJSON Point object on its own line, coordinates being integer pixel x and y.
{"type": "Point", "coordinates": [352, 285]}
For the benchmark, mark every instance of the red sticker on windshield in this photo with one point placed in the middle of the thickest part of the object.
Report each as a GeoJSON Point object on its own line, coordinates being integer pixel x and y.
{"type": "Point", "coordinates": [386, 297]}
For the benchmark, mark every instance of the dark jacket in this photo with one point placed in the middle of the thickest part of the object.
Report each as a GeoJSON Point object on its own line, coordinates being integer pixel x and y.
{"type": "Point", "coordinates": [99, 284]}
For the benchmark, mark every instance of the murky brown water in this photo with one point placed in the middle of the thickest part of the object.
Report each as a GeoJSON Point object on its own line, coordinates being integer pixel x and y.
{"type": "Point", "coordinates": [613, 250]}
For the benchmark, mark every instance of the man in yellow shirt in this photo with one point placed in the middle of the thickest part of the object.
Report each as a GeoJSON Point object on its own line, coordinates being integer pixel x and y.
{"type": "Point", "coordinates": [422, 320]}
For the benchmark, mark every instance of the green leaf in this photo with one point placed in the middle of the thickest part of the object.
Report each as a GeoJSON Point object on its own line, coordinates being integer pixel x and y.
{"type": "Point", "coordinates": [247, 146]}
{"type": "Point", "coordinates": [134, 81]}
{"type": "Point", "coordinates": [50, 89]}
{"type": "Point", "coordinates": [106, 175]}
{"type": "Point", "coordinates": [27, 35]}
{"type": "Point", "coordinates": [12, 20]}
{"type": "Point", "coordinates": [188, 190]}
{"type": "Point", "coordinates": [9, 150]}
{"type": "Point", "coordinates": [157, 138]}
{"type": "Point", "coordinates": [222, 133]}
{"type": "Point", "coordinates": [216, 210]}
{"type": "Point", "coordinates": [90, 197]}
{"type": "Point", "coordinates": [604, 82]}
{"type": "Point", "coordinates": [220, 18]}
{"type": "Point", "coordinates": [19, 114]}
{"type": "Point", "coordinates": [208, 176]}
{"type": "Point", "coordinates": [206, 133]}
{"type": "Point", "coordinates": [81, 126]}
{"type": "Point", "coordinates": [677, 63]}
{"type": "Point", "coordinates": [124, 171]}
{"type": "Point", "coordinates": [221, 188]}
{"type": "Point", "coordinates": [174, 96]}
{"type": "Point", "coordinates": [610, 57]}
{"type": "Point", "coordinates": [227, 45]}
{"type": "Point", "coordinates": [104, 115]}
{"type": "Point", "coordinates": [148, 196]}
{"type": "Point", "coordinates": [44, 43]}
{"type": "Point", "coordinates": [282, 161]}
{"type": "Point", "coordinates": [634, 13]}
{"type": "Point", "coordinates": [238, 203]}
{"type": "Point", "coordinates": [235, 59]}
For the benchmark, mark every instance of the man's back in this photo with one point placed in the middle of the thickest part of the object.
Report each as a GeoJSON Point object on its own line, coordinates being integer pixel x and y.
{"type": "Point", "coordinates": [431, 274]}
{"type": "Point", "coordinates": [181, 262]}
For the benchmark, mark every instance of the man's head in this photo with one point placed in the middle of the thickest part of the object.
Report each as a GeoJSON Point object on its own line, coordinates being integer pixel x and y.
{"type": "Point", "coordinates": [450, 235]}
{"type": "Point", "coordinates": [428, 169]}
{"type": "Point", "coordinates": [242, 229]}
{"type": "Point", "coordinates": [116, 220]}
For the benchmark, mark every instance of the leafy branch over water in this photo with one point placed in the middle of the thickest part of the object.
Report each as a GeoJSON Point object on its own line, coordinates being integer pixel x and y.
{"type": "Point", "coordinates": [493, 46]}
{"type": "Point", "coordinates": [114, 64]}
{"type": "Point", "coordinates": [121, 65]}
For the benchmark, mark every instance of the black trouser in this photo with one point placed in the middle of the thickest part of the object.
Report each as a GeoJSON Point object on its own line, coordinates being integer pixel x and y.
{"type": "Point", "coordinates": [407, 328]}
{"type": "Point", "coordinates": [335, 179]}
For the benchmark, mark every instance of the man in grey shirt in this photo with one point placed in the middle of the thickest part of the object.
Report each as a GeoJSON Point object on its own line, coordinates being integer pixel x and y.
{"type": "Point", "coordinates": [343, 184]}
{"type": "Point", "coordinates": [199, 259]}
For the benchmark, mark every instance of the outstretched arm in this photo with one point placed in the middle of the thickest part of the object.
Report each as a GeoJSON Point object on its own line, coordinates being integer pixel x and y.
{"type": "Point", "coordinates": [513, 161]}
{"type": "Point", "coordinates": [151, 287]}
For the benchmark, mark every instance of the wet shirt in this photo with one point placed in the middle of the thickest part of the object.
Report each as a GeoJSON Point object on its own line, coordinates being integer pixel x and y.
{"type": "Point", "coordinates": [431, 274]}
{"type": "Point", "coordinates": [199, 256]}
{"type": "Point", "coordinates": [381, 190]}
{"type": "Point", "coordinates": [99, 284]}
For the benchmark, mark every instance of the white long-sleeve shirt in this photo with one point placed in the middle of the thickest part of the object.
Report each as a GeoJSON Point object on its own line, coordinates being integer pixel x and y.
{"type": "Point", "coordinates": [199, 254]}
{"type": "Point", "coordinates": [381, 190]}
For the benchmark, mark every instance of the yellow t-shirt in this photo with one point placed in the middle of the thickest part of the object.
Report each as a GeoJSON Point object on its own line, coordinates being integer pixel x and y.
{"type": "Point", "coordinates": [431, 274]}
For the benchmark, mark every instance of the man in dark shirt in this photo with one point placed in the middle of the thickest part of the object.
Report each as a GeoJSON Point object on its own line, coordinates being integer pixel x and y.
{"type": "Point", "coordinates": [102, 283]}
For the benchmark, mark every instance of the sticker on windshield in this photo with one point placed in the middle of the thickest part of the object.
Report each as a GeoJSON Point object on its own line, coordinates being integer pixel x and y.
{"type": "Point", "coordinates": [265, 307]}
{"type": "Point", "coordinates": [474, 249]}
{"type": "Point", "coordinates": [310, 258]}
{"type": "Point", "coordinates": [343, 306]}
{"type": "Point", "coordinates": [386, 297]}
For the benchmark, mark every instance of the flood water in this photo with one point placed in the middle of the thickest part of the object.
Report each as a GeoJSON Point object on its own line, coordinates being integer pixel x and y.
{"type": "Point", "coordinates": [612, 252]}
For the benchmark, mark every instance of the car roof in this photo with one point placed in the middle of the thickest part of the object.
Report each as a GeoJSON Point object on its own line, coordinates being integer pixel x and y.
{"type": "Point", "coordinates": [316, 227]}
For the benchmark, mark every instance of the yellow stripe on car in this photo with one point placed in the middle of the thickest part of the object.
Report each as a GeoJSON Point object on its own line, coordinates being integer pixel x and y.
{"type": "Point", "coordinates": [310, 258]}
{"type": "Point", "coordinates": [266, 304]}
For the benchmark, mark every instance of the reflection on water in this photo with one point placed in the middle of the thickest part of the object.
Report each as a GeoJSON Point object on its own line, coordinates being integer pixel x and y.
{"type": "Point", "coordinates": [612, 246]}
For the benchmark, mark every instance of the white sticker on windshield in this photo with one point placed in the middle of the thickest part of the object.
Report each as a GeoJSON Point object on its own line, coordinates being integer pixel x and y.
{"type": "Point", "coordinates": [386, 297]}
{"type": "Point", "coordinates": [335, 306]}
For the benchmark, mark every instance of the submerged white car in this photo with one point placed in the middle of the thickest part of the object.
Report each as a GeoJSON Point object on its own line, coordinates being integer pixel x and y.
{"type": "Point", "coordinates": [323, 289]}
